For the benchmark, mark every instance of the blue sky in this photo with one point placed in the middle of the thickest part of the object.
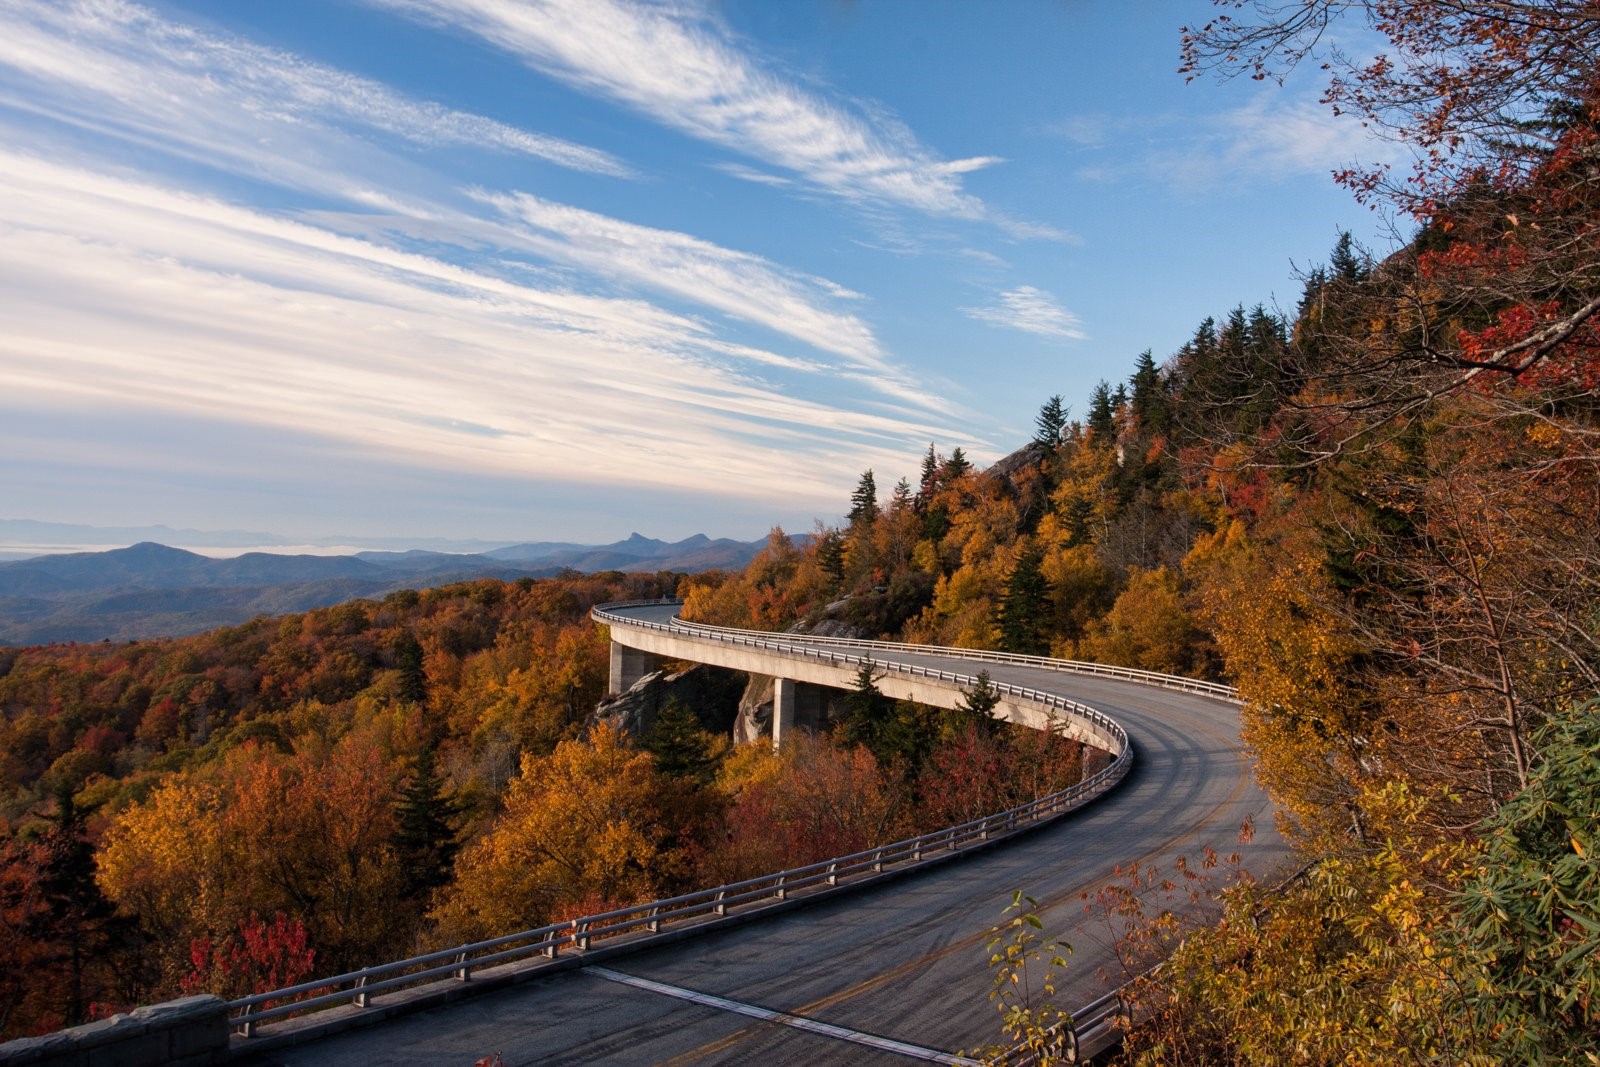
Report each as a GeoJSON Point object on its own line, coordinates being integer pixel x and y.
{"type": "Point", "coordinates": [513, 270]}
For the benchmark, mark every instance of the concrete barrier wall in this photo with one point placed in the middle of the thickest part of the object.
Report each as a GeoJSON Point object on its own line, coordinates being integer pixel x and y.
{"type": "Point", "coordinates": [192, 1032]}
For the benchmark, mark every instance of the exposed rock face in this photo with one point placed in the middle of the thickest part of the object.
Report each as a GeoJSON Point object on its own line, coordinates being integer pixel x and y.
{"type": "Point", "coordinates": [754, 720]}
{"type": "Point", "coordinates": [830, 627]}
{"type": "Point", "coordinates": [710, 692]}
{"type": "Point", "coordinates": [1027, 456]}
{"type": "Point", "coordinates": [817, 709]}
{"type": "Point", "coordinates": [726, 701]}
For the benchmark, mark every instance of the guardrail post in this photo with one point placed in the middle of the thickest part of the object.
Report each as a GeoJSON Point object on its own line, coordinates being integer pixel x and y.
{"type": "Point", "coordinates": [833, 874]}
{"type": "Point", "coordinates": [361, 999]}
{"type": "Point", "coordinates": [464, 971]}
{"type": "Point", "coordinates": [721, 907]}
{"type": "Point", "coordinates": [580, 934]}
{"type": "Point", "coordinates": [654, 925]}
{"type": "Point", "coordinates": [246, 1024]}
{"type": "Point", "coordinates": [877, 860]}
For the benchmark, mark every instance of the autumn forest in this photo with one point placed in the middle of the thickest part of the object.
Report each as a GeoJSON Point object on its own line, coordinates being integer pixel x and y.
{"type": "Point", "coordinates": [1376, 513]}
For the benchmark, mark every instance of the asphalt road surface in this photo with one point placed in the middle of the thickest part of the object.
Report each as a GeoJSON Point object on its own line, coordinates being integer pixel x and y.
{"type": "Point", "coordinates": [891, 974]}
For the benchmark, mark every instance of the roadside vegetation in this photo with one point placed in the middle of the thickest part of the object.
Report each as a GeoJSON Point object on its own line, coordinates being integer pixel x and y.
{"type": "Point", "coordinates": [1375, 514]}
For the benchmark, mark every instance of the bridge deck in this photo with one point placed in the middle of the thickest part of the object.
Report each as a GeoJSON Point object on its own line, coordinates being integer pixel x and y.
{"type": "Point", "coordinates": [904, 961]}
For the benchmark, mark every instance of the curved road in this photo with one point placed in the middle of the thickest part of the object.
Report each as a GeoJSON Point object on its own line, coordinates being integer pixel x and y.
{"type": "Point", "coordinates": [903, 961]}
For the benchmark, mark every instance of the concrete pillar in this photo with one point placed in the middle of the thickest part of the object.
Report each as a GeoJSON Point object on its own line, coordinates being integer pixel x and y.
{"type": "Point", "coordinates": [783, 702]}
{"type": "Point", "coordinates": [628, 665]}
{"type": "Point", "coordinates": [811, 706]}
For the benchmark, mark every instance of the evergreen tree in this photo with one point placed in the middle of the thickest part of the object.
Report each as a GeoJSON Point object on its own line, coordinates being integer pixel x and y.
{"type": "Point", "coordinates": [864, 501]}
{"type": "Point", "coordinates": [955, 467]}
{"type": "Point", "coordinates": [424, 838]}
{"type": "Point", "coordinates": [80, 923]}
{"type": "Point", "coordinates": [1051, 422]}
{"type": "Point", "coordinates": [977, 706]}
{"type": "Point", "coordinates": [1345, 264]}
{"type": "Point", "coordinates": [902, 496]}
{"type": "Point", "coordinates": [1024, 612]}
{"type": "Point", "coordinates": [1102, 417]}
{"type": "Point", "coordinates": [413, 687]}
{"type": "Point", "coordinates": [1150, 404]}
{"type": "Point", "coordinates": [865, 709]}
{"type": "Point", "coordinates": [929, 483]}
{"type": "Point", "coordinates": [830, 555]}
{"type": "Point", "coordinates": [681, 745]}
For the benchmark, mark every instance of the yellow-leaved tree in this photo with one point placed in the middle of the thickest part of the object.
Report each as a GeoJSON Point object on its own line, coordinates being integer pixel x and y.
{"type": "Point", "coordinates": [585, 824]}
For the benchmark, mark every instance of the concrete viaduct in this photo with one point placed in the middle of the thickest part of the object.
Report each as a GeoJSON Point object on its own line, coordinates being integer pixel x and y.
{"type": "Point", "coordinates": [877, 958]}
{"type": "Point", "coordinates": [646, 635]}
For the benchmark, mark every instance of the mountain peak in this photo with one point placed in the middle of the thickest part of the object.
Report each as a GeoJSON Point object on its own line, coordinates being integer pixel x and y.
{"type": "Point", "coordinates": [153, 551]}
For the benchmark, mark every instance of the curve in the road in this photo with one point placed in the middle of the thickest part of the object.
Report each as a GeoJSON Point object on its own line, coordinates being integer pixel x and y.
{"type": "Point", "coordinates": [902, 963]}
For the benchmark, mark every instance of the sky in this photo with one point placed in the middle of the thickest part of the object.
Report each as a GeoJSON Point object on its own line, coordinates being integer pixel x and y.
{"type": "Point", "coordinates": [517, 270]}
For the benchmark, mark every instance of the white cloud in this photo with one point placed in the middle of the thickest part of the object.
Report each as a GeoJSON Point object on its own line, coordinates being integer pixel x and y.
{"type": "Point", "coordinates": [743, 285]}
{"type": "Point", "coordinates": [113, 67]}
{"type": "Point", "coordinates": [1281, 136]}
{"type": "Point", "coordinates": [1032, 311]}
{"type": "Point", "coordinates": [684, 69]}
{"type": "Point", "coordinates": [135, 298]}
{"type": "Point", "coordinates": [1275, 135]}
{"type": "Point", "coordinates": [262, 113]}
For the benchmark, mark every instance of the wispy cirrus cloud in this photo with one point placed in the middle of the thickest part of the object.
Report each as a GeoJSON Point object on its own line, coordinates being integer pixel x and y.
{"type": "Point", "coordinates": [1277, 134]}
{"type": "Point", "coordinates": [682, 67]}
{"type": "Point", "coordinates": [1032, 311]}
{"type": "Point", "coordinates": [118, 69]}
{"type": "Point", "coordinates": [124, 72]}
{"type": "Point", "coordinates": [738, 283]}
{"type": "Point", "coordinates": [143, 299]}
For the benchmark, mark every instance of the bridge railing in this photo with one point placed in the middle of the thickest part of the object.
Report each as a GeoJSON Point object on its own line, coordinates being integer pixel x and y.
{"type": "Point", "coordinates": [357, 988]}
{"type": "Point", "coordinates": [791, 642]}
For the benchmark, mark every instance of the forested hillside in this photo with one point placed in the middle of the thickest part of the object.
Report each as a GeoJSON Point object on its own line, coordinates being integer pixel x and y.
{"type": "Point", "coordinates": [1379, 517]}
{"type": "Point", "coordinates": [1376, 513]}
{"type": "Point", "coordinates": [297, 796]}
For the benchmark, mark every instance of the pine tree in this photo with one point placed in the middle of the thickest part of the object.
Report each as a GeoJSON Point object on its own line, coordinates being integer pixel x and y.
{"type": "Point", "coordinates": [830, 555]}
{"type": "Point", "coordinates": [977, 704]}
{"type": "Point", "coordinates": [413, 686]}
{"type": "Point", "coordinates": [902, 496]}
{"type": "Point", "coordinates": [864, 501]}
{"type": "Point", "coordinates": [954, 467]}
{"type": "Point", "coordinates": [1024, 612]}
{"type": "Point", "coordinates": [1345, 265]}
{"type": "Point", "coordinates": [681, 745]}
{"type": "Point", "coordinates": [80, 922]}
{"type": "Point", "coordinates": [1051, 422]}
{"type": "Point", "coordinates": [424, 837]}
{"type": "Point", "coordinates": [864, 710]}
{"type": "Point", "coordinates": [929, 483]}
{"type": "Point", "coordinates": [1102, 417]}
{"type": "Point", "coordinates": [1150, 405]}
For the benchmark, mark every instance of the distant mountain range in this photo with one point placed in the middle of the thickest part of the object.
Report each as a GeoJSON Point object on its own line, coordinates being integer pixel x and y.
{"type": "Point", "coordinates": [150, 590]}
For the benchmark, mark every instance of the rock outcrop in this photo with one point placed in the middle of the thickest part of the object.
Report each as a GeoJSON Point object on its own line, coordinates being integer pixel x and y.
{"type": "Point", "coordinates": [712, 693]}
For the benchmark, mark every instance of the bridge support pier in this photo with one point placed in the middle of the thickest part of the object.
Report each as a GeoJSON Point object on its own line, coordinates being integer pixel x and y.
{"type": "Point", "coordinates": [628, 665]}
{"type": "Point", "coordinates": [796, 705]}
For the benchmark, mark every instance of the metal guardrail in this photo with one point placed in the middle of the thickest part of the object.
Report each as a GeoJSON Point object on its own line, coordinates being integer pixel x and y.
{"type": "Point", "coordinates": [801, 647]}
{"type": "Point", "coordinates": [357, 988]}
{"type": "Point", "coordinates": [603, 613]}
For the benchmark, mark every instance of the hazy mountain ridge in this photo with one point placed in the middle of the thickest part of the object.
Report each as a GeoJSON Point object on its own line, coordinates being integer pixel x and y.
{"type": "Point", "coordinates": [152, 590]}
